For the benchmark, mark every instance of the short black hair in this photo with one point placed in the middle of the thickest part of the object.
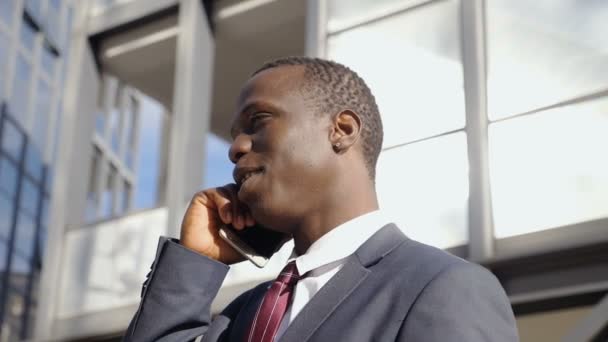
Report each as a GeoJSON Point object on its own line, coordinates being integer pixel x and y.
{"type": "Point", "coordinates": [333, 87]}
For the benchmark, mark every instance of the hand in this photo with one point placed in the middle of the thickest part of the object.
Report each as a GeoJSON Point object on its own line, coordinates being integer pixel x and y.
{"type": "Point", "coordinates": [208, 211]}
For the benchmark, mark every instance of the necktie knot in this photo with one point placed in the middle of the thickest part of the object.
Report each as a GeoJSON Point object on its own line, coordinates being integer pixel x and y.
{"type": "Point", "coordinates": [289, 275]}
{"type": "Point", "coordinates": [274, 305]}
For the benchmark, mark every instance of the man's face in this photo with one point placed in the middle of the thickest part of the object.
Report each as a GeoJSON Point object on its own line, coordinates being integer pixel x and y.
{"type": "Point", "coordinates": [281, 149]}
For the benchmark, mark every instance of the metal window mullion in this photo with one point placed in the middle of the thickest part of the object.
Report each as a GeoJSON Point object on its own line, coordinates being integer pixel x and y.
{"type": "Point", "coordinates": [134, 147]}
{"type": "Point", "coordinates": [481, 226]}
{"type": "Point", "coordinates": [316, 28]}
{"type": "Point", "coordinates": [30, 114]}
{"type": "Point", "coordinates": [13, 226]}
{"type": "Point", "coordinates": [13, 52]}
{"type": "Point", "coordinates": [34, 259]}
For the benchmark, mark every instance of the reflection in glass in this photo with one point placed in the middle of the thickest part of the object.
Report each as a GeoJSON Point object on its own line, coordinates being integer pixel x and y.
{"type": "Point", "coordinates": [52, 26]}
{"type": "Point", "coordinates": [56, 135]}
{"type": "Point", "coordinates": [115, 129]}
{"type": "Point", "coordinates": [28, 35]}
{"type": "Point", "coordinates": [424, 188]}
{"type": "Point", "coordinates": [107, 200]}
{"type": "Point", "coordinates": [33, 162]}
{"type": "Point", "coordinates": [3, 251]}
{"type": "Point", "coordinates": [8, 177]}
{"type": "Point", "coordinates": [41, 114]}
{"type": "Point", "coordinates": [29, 197]}
{"type": "Point", "coordinates": [7, 11]}
{"type": "Point", "coordinates": [4, 44]}
{"type": "Point", "coordinates": [549, 169]}
{"type": "Point", "coordinates": [48, 61]}
{"type": "Point", "coordinates": [34, 7]}
{"type": "Point", "coordinates": [15, 307]}
{"type": "Point", "coordinates": [347, 12]}
{"type": "Point", "coordinates": [100, 122]}
{"type": "Point", "coordinates": [12, 140]}
{"type": "Point", "coordinates": [416, 75]}
{"type": "Point", "coordinates": [544, 52]}
{"type": "Point", "coordinates": [25, 238]}
{"type": "Point", "coordinates": [21, 88]}
{"type": "Point", "coordinates": [126, 196]}
{"type": "Point", "coordinates": [6, 220]}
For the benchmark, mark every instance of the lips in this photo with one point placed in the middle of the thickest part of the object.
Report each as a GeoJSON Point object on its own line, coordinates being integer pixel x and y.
{"type": "Point", "coordinates": [242, 174]}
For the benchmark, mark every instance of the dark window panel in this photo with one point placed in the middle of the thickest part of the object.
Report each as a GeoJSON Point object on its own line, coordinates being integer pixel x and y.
{"type": "Point", "coordinates": [8, 177]}
{"type": "Point", "coordinates": [12, 139]}
{"type": "Point", "coordinates": [7, 11]}
{"type": "Point", "coordinates": [33, 162]}
{"type": "Point", "coordinates": [28, 35]}
{"type": "Point", "coordinates": [21, 88]}
{"type": "Point", "coordinates": [29, 197]}
{"type": "Point", "coordinates": [25, 237]}
{"type": "Point", "coordinates": [6, 220]}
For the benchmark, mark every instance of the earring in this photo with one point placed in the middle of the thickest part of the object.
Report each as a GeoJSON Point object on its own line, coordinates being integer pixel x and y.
{"type": "Point", "coordinates": [337, 145]}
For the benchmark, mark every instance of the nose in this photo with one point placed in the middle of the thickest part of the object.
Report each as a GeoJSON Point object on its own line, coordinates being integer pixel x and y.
{"type": "Point", "coordinates": [240, 146]}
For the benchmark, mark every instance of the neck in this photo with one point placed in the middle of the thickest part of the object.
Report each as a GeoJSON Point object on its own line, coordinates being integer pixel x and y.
{"type": "Point", "coordinates": [348, 203]}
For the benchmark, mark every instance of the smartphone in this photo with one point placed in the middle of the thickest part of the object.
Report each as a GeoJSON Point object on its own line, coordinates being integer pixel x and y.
{"type": "Point", "coordinates": [255, 243]}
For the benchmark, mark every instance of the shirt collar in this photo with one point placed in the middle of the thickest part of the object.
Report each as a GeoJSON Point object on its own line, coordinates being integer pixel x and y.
{"type": "Point", "coordinates": [340, 242]}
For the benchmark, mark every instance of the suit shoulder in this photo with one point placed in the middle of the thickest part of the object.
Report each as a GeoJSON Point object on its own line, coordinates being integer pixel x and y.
{"type": "Point", "coordinates": [429, 264]}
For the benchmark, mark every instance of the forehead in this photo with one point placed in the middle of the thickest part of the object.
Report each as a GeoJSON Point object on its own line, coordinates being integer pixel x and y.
{"type": "Point", "coordinates": [276, 88]}
{"type": "Point", "coordinates": [272, 84]}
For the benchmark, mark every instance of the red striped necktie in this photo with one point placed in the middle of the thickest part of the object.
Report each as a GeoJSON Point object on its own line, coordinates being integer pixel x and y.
{"type": "Point", "coordinates": [270, 313]}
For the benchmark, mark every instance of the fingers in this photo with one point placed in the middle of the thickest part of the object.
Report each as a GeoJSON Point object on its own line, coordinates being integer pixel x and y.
{"type": "Point", "coordinates": [230, 209]}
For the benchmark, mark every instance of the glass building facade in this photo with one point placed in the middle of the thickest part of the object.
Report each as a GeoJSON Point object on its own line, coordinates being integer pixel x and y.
{"type": "Point", "coordinates": [543, 118]}
{"type": "Point", "coordinates": [34, 37]}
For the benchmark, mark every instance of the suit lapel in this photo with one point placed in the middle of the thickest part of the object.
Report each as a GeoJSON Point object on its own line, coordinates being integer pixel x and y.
{"type": "Point", "coordinates": [343, 284]}
{"type": "Point", "coordinates": [325, 301]}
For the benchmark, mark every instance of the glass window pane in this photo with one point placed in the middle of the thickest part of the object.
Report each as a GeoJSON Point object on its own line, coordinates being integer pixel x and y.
{"type": "Point", "coordinates": [42, 111]}
{"type": "Point", "coordinates": [4, 46]}
{"type": "Point", "coordinates": [7, 12]}
{"type": "Point", "coordinates": [6, 220]}
{"type": "Point", "coordinates": [8, 177]}
{"type": "Point", "coordinates": [28, 35]}
{"type": "Point", "coordinates": [15, 308]}
{"type": "Point", "coordinates": [33, 162]}
{"type": "Point", "coordinates": [108, 194]}
{"type": "Point", "coordinates": [56, 133]}
{"type": "Point", "coordinates": [341, 12]}
{"type": "Point", "coordinates": [49, 60]}
{"type": "Point", "coordinates": [29, 197]}
{"type": "Point", "coordinates": [418, 83]}
{"type": "Point", "coordinates": [424, 188]}
{"type": "Point", "coordinates": [21, 88]}
{"type": "Point", "coordinates": [549, 169]}
{"type": "Point", "coordinates": [544, 52]}
{"type": "Point", "coordinates": [25, 238]}
{"type": "Point", "coordinates": [52, 27]}
{"type": "Point", "coordinates": [44, 215]}
{"type": "Point", "coordinates": [126, 196]}
{"type": "Point", "coordinates": [12, 140]}
{"type": "Point", "coordinates": [34, 8]}
{"type": "Point", "coordinates": [3, 251]}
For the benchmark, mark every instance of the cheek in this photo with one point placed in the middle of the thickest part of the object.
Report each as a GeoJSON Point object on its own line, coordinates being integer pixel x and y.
{"type": "Point", "coordinates": [303, 161]}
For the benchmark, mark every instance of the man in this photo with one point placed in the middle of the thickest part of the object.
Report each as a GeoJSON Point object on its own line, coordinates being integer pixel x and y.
{"type": "Point", "coordinates": [307, 135]}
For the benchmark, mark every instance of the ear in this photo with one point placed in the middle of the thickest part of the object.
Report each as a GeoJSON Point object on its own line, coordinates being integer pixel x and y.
{"type": "Point", "coordinates": [346, 129]}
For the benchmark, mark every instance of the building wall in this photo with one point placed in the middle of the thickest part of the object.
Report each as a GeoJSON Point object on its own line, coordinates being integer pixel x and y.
{"type": "Point", "coordinates": [33, 49]}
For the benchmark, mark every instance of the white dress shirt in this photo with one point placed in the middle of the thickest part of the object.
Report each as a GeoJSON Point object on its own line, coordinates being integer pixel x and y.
{"type": "Point", "coordinates": [325, 257]}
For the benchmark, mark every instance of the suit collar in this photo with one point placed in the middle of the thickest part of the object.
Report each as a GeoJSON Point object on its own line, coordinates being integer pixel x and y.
{"type": "Point", "coordinates": [343, 284]}
{"type": "Point", "coordinates": [380, 244]}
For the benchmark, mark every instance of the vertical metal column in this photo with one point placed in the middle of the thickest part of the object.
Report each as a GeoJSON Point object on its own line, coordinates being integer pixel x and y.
{"type": "Point", "coordinates": [191, 110]}
{"type": "Point", "coordinates": [481, 226]}
{"type": "Point", "coordinates": [316, 28]}
{"type": "Point", "coordinates": [72, 167]}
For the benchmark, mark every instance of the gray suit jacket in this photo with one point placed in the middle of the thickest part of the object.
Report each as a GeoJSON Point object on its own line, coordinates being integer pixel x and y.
{"type": "Point", "coordinates": [391, 289]}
